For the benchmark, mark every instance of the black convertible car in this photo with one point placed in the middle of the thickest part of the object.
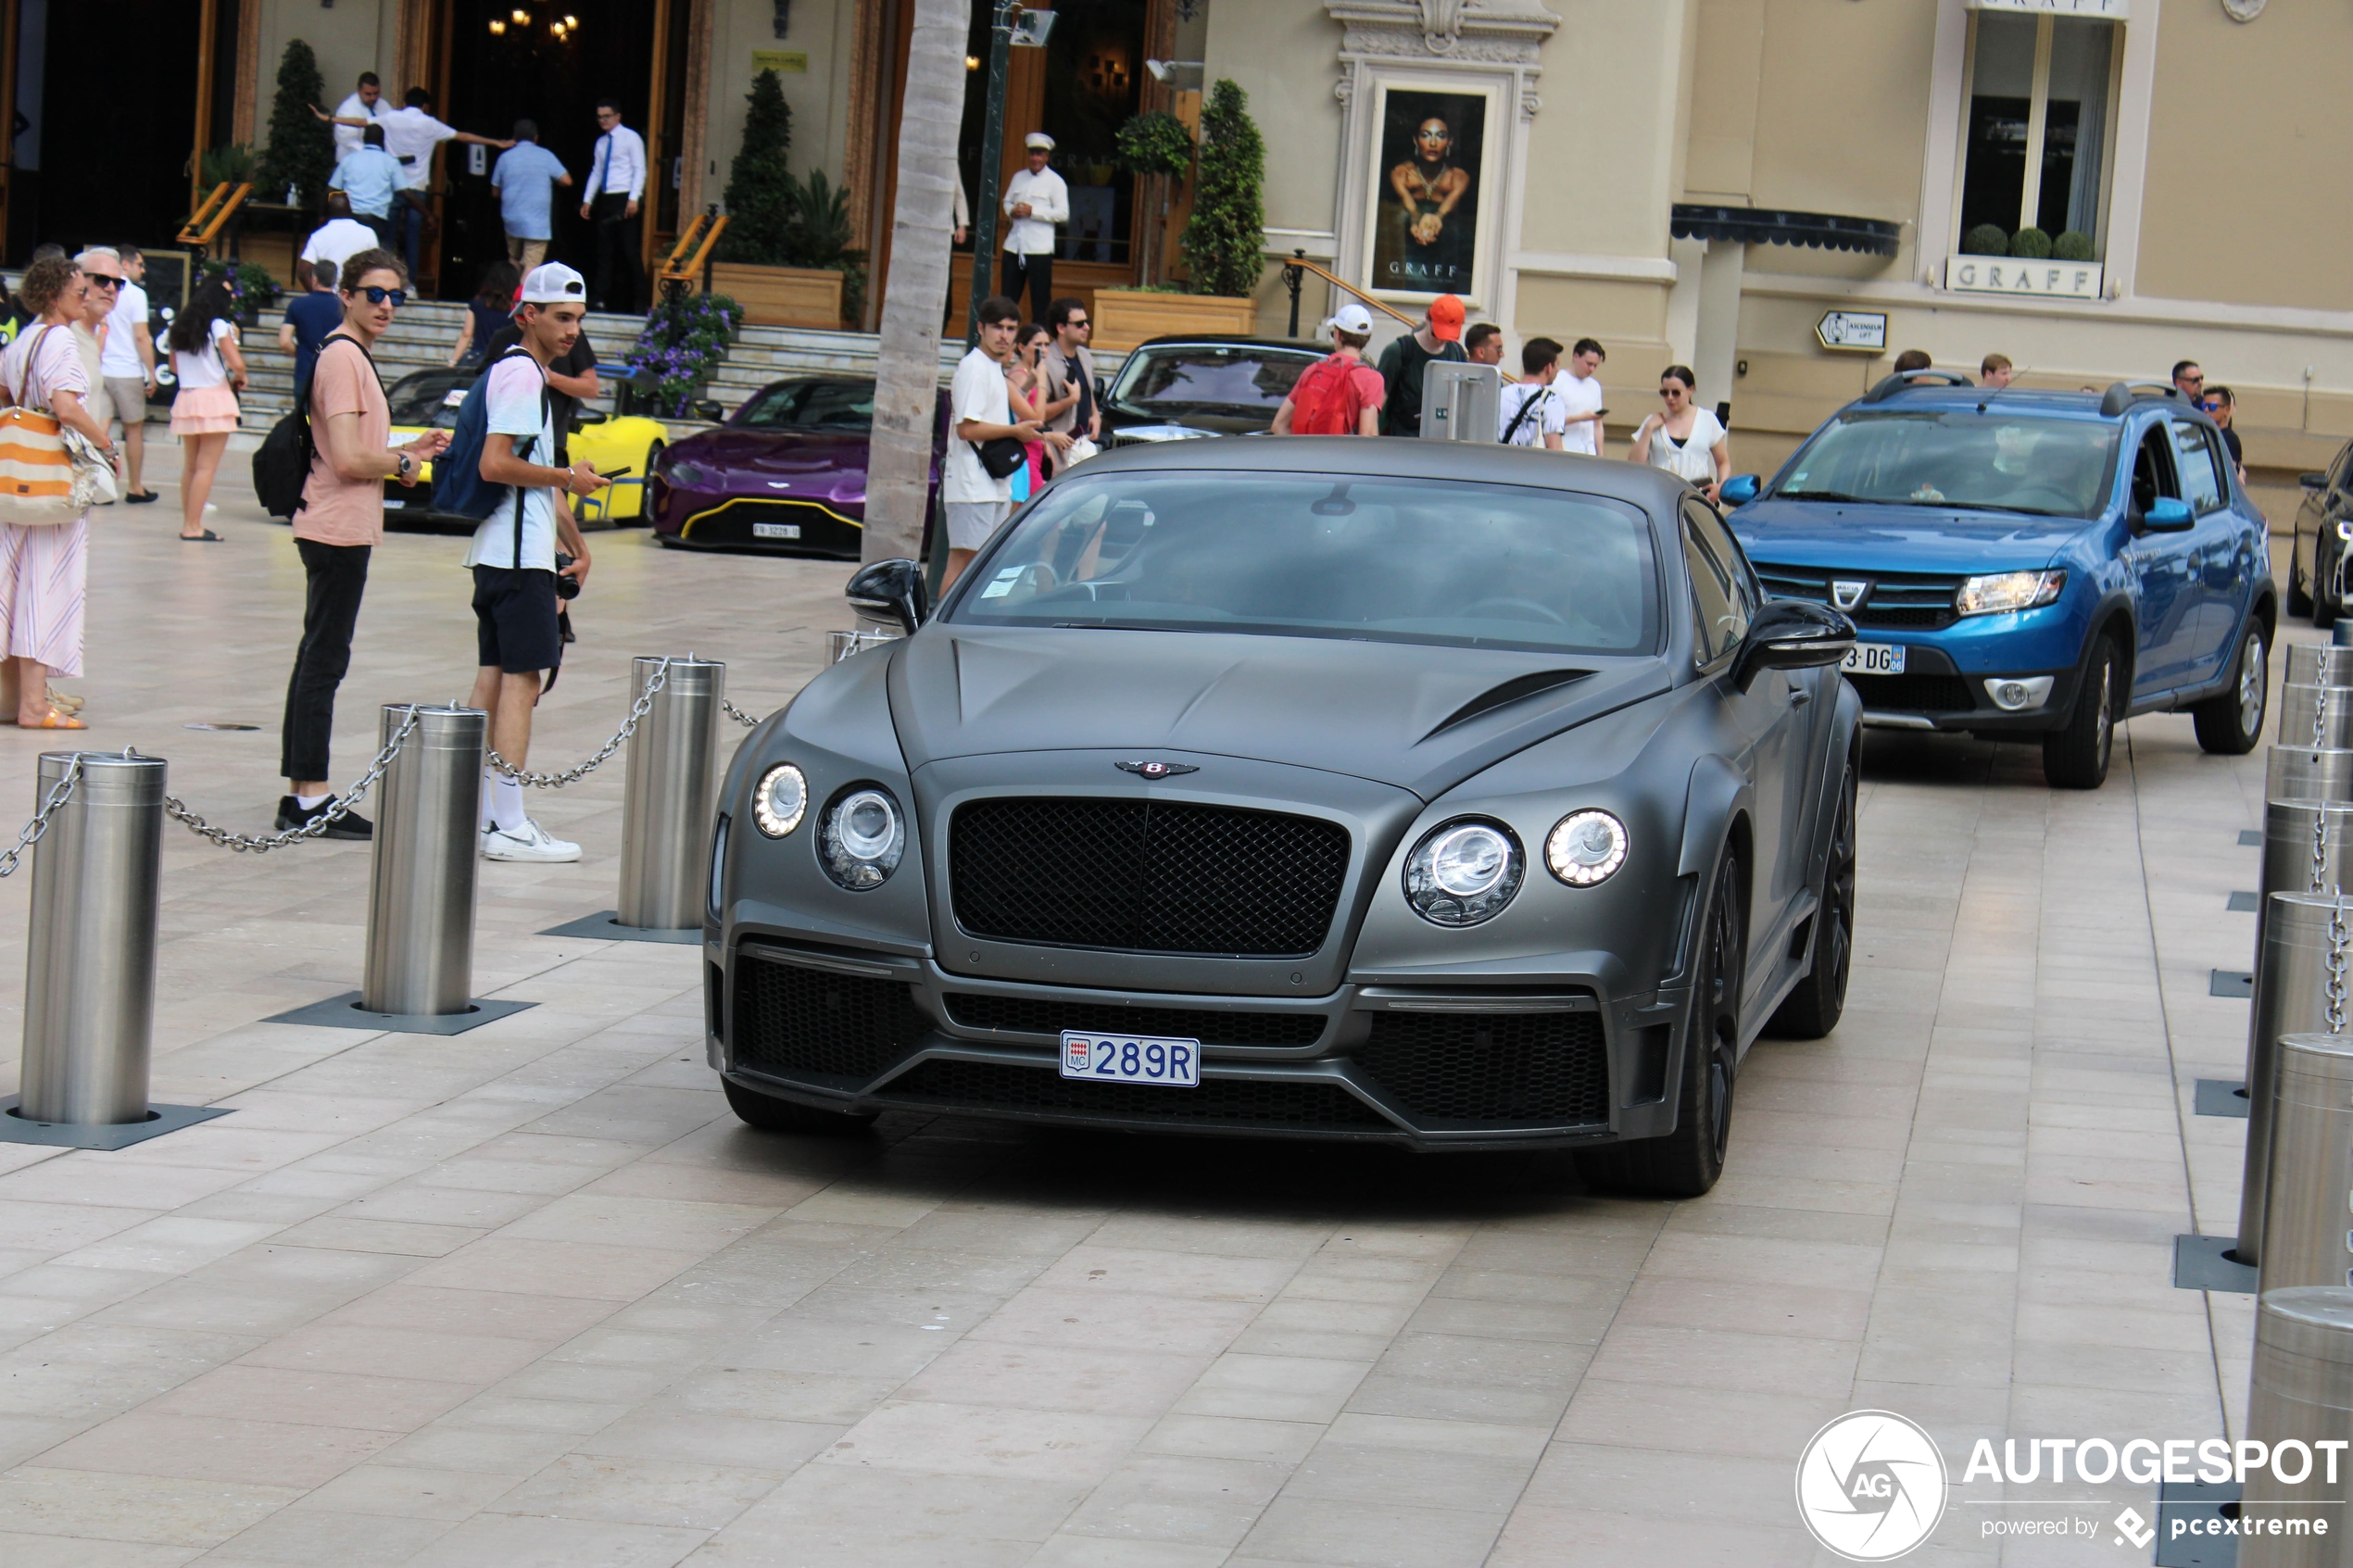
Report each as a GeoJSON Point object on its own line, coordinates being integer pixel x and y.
{"type": "Point", "coordinates": [1450, 795]}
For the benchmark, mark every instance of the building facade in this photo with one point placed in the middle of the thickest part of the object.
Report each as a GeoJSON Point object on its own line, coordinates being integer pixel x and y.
{"type": "Point", "coordinates": [1781, 194]}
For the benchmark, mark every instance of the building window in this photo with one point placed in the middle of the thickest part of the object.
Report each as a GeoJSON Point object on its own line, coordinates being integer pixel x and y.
{"type": "Point", "coordinates": [2035, 152]}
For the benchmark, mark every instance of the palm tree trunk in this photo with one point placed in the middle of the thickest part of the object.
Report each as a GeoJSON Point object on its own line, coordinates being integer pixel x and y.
{"type": "Point", "coordinates": [916, 292]}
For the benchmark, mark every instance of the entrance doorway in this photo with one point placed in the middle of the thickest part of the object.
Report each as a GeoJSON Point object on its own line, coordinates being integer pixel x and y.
{"type": "Point", "coordinates": [549, 61]}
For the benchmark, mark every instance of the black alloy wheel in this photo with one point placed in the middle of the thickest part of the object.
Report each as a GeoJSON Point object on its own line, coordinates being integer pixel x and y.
{"type": "Point", "coordinates": [1814, 1009]}
{"type": "Point", "coordinates": [769, 1114]}
{"type": "Point", "coordinates": [1687, 1161]}
{"type": "Point", "coordinates": [2075, 756]}
{"type": "Point", "coordinates": [2230, 723]}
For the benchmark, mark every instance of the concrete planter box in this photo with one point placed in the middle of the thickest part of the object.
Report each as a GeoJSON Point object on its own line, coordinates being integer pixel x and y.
{"type": "Point", "coordinates": [1125, 317]}
{"type": "Point", "coordinates": [781, 297]}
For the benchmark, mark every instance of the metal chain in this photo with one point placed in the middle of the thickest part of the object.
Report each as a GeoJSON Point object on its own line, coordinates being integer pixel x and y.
{"type": "Point", "coordinates": [738, 714]}
{"type": "Point", "coordinates": [58, 793]}
{"type": "Point", "coordinates": [2321, 719]}
{"type": "Point", "coordinates": [575, 774]}
{"type": "Point", "coordinates": [344, 804]}
{"type": "Point", "coordinates": [2320, 846]}
{"type": "Point", "coordinates": [2338, 935]}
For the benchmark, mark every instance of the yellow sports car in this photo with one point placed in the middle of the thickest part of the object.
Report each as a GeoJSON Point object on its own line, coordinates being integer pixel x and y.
{"type": "Point", "coordinates": [623, 448]}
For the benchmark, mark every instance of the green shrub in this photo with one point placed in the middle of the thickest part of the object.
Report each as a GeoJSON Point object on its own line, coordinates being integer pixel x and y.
{"type": "Point", "coordinates": [821, 237]}
{"type": "Point", "coordinates": [1987, 239]}
{"type": "Point", "coordinates": [301, 151]}
{"type": "Point", "coordinates": [760, 185]}
{"type": "Point", "coordinates": [257, 290]}
{"type": "Point", "coordinates": [232, 165]}
{"type": "Point", "coordinates": [1156, 143]}
{"type": "Point", "coordinates": [2031, 243]}
{"type": "Point", "coordinates": [1224, 237]}
{"type": "Point", "coordinates": [2073, 244]}
{"type": "Point", "coordinates": [683, 344]}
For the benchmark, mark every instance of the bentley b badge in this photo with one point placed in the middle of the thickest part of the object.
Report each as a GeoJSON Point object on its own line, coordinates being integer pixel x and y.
{"type": "Point", "coordinates": [1157, 769]}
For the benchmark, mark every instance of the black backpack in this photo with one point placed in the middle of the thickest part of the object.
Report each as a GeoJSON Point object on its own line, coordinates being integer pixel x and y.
{"type": "Point", "coordinates": [281, 463]}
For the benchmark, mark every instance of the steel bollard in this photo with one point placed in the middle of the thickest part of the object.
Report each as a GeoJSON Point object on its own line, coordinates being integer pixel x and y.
{"type": "Point", "coordinates": [2316, 716]}
{"type": "Point", "coordinates": [666, 806]}
{"type": "Point", "coordinates": [2291, 997]}
{"type": "Point", "coordinates": [2302, 1393]}
{"type": "Point", "coordinates": [2318, 664]}
{"type": "Point", "coordinates": [420, 885]}
{"type": "Point", "coordinates": [2290, 861]}
{"type": "Point", "coordinates": [90, 957]}
{"type": "Point", "coordinates": [2306, 772]}
{"type": "Point", "coordinates": [2308, 1200]}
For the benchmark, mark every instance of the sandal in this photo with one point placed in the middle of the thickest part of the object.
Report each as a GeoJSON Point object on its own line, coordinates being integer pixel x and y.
{"type": "Point", "coordinates": [207, 537]}
{"type": "Point", "coordinates": [54, 720]}
{"type": "Point", "coordinates": [64, 702]}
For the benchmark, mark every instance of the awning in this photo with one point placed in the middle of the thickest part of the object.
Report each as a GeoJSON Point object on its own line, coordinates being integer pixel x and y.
{"type": "Point", "coordinates": [1771, 226]}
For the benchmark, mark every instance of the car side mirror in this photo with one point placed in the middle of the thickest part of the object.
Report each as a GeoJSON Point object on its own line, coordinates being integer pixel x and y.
{"type": "Point", "coordinates": [583, 418]}
{"type": "Point", "coordinates": [1791, 634]}
{"type": "Point", "coordinates": [2313, 480]}
{"type": "Point", "coordinates": [891, 590]}
{"type": "Point", "coordinates": [712, 409]}
{"type": "Point", "coordinates": [2167, 514]}
{"type": "Point", "coordinates": [1740, 490]}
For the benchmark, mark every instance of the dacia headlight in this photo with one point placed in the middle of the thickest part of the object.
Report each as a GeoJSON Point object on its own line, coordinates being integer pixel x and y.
{"type": "Point", "coordinates": [779, 799]}
{"type": "Point", "coordinates": [1463, 872]}
{"type": "Point", "coordinates": [863, 837]}
{"type": "Point", "coordinates": [2007, 591]}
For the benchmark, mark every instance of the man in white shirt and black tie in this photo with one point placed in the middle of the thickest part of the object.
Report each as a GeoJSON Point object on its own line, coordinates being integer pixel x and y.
{"type": "Point", "coordinates": [616, 181]}
{"type": "Point", "coordinates": [1036, 199]}
{"type": "Point", "coordinates": [351, 116]}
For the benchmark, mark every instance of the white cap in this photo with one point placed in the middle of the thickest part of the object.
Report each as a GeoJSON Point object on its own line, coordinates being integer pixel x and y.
{"type": "Point", "coordinates": [1352, 318]}
{"type": "Point", "coordinates": [552, 283]}
{"type": "Point", "coordinates": [1038, 139]}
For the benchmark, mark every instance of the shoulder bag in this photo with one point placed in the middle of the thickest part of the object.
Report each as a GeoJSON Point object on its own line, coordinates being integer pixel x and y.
{"type": "Point", "coordinates": [48, 474]}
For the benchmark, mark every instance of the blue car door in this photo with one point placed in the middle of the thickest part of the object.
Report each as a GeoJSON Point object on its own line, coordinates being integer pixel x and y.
{"type": "Point", "coordinates": [2163, 570]}
{"type": "Point", "coordinates": [2218, 547]}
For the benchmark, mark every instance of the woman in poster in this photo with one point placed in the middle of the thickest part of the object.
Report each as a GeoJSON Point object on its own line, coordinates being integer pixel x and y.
{"type": "Point", "coordinates": [1429, 213]}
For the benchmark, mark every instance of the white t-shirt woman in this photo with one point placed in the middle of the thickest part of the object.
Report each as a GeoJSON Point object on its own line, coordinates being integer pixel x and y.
{"type": "Point", "coordinates": [1684, 438]}
{"type": "Point", "coordinates": [205, 367]}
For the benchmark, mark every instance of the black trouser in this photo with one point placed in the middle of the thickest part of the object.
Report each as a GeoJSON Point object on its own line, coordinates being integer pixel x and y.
{"type": "Point", "coordinates": [338, 576]}
{"type": "Point", "coordinates": [387, 232]}
{"type": "Point", "coordinates": [615, 286]}
{"type": "Point", "coordinates": [1035, 273]}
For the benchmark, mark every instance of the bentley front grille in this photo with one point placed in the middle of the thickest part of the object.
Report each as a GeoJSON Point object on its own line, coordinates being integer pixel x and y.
{"type": "Point", "coordinates": [1146, 876]}
{"type": "Point", "coordinates": [1043, 1015]}
{"type": "Point", "coordinates": [1528, 1069]}
{"type": "Point", "coordinates": [792, 1022]}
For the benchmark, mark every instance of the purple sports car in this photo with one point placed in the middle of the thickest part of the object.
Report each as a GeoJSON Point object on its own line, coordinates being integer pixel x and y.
{"type": "Point", "coordinates": [787, 473]}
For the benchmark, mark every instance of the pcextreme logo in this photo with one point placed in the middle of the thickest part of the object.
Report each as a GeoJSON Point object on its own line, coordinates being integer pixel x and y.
{"type": "Point", "coordinates": [1870, 1486]}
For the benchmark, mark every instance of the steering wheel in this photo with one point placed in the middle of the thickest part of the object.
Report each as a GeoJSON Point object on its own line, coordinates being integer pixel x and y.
{"type": "Point", "coordinates": [1540, 612]}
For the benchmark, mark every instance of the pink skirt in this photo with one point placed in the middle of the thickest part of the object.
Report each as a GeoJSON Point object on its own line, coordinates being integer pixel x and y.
{"type": "Point", "coordinates": [204, 410]}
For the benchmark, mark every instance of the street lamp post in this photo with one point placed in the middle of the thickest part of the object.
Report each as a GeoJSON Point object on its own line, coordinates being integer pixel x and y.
{"type": "Point", "coordinates": [1002, 42]}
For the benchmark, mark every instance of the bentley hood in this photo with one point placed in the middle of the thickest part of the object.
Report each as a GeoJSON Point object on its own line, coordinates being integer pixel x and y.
{"type": "Point", "coordinates": [1417, 716]}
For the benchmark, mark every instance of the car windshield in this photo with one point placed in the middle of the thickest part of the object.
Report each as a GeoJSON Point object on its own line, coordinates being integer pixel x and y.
{"type": "Point", "coordinates": [1411, 560]}
{"type": "Point", "coordinates": [429, 398]}
{"type": "Point", "coordinates": [811, 405]}
{"type": "Point", "coordinates": [1993, 460]}
{"type": "Point", "coordinates": [1208, 378]}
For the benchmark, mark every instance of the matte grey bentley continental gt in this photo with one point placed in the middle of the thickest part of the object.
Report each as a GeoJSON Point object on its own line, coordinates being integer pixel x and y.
{"type": "Point", "coordinates": [1452, 795]}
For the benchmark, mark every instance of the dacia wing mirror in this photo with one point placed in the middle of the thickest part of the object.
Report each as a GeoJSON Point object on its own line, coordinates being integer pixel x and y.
{"type": "Point", "coordinates": [1792, 635]}
{"type": "Point", "coordinates": [2167, 514]}
{"type": "Point", "coordinates": [891, 590]}
{"type": "Point", "coordinates": [1740, 490]}
{"type": "Point", "coordinates": [2313, 480]}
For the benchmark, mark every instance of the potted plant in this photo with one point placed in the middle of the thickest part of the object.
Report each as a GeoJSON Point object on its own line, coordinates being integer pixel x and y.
{"type": "Point", "coordinates": [1222, 241]}
{"type": "Point", "coordinates": [1157, 146]}
{"type": "Point", "coordinates": [300, 154]}
{"type": "Point", "coordinates": [787, 257]}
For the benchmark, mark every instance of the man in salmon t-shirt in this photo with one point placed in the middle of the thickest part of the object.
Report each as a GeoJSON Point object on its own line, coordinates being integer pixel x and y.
{"type": "Point", "coordinates": [340, 519]}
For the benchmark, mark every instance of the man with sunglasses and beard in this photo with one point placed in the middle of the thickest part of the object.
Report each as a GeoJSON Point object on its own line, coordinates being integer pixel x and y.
{"type": "Point", "coordinates": [339, 523]}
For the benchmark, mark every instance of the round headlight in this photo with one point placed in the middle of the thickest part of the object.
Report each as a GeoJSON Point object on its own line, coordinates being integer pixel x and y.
{"type": "Point", "coordinates": [864, 838]}
{"type": "Point", "coordinates": [1586, 848]}
{"type": "Point", "coordinates": [1463, 872]}
{"type": "Point", "coordinates": [780, 800]}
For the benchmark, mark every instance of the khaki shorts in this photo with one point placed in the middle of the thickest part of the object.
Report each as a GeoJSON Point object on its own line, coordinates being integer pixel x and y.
{"type": "Point", "coordinates": [527, 254]}
{"type": "Point", "coordinates": [129, 395]}
{"type": "Point", "coordinates": [971, 522]}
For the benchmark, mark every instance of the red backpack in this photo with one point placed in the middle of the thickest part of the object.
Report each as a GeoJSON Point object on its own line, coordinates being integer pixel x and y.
{"type": "Point", "coordinates": [1320, 400]}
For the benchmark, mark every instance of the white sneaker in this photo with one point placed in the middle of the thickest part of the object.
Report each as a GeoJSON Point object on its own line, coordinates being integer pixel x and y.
{"type": "Point", "coordinates": [531, 843]}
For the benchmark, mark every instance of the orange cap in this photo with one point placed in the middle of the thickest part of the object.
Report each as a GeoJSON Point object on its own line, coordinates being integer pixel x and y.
{"type": "Point", "coordinates": [1446, 319]}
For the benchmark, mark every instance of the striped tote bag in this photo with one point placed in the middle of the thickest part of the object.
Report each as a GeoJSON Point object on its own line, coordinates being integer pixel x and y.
{"type": "Point", "coordinates": [42, 480]}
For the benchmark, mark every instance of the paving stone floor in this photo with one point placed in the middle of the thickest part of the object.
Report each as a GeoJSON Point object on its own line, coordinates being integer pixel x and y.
{"type": "Point", "coordinates": [530, 1295]}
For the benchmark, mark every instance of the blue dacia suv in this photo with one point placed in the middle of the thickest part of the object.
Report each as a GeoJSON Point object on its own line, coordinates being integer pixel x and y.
{"type": "Point", "coordinates": [2044, 562]}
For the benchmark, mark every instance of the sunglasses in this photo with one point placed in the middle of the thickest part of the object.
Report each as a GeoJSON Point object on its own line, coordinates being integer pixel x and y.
{"type": "Point", "coordinates": [378, 294]}
{"type": "Point", "coordinates": [101, 281]}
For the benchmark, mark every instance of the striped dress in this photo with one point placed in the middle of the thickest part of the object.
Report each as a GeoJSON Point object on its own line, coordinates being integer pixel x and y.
{"type": "Point", "coordinates": [41, 570]}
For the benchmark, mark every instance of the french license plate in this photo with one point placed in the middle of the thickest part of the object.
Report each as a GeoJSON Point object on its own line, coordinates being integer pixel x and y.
{"type": "Point", "coordinates": [1132, 1058]}
{"type": "Point", "coordinates": [1874, 658]}
{"type": "Point", "coordinates": [776, 531]}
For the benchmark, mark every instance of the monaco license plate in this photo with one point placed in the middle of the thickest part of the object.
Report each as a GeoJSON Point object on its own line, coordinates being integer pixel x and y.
{"type": "Point", "coordinates": [1874, 658]}
{"type": "Point", "coordinates": [1132, 1058]}
{"type": "Point", "coordinates": [776, 531]}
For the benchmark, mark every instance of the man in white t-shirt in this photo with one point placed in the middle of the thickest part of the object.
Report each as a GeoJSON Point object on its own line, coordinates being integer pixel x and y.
{"type": "Point", "coordinates": [976, 503]}
{"type": "Point", "coordinates": [513, 554]}
{"type": "Point", "coordinates": [1530, 413]}
{"type": "Point", "coordinates": [1581, 395]}
{"type": "Point", "coordinates": [127, 360]}
{"type": "Point", "coordinates": [339, 239]}
{"type": "Point", "coordinates": [366, 103]}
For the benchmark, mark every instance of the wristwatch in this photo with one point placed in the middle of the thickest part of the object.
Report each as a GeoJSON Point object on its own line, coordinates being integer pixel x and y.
{"type": "Point", "coordinates": [407, 466]}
